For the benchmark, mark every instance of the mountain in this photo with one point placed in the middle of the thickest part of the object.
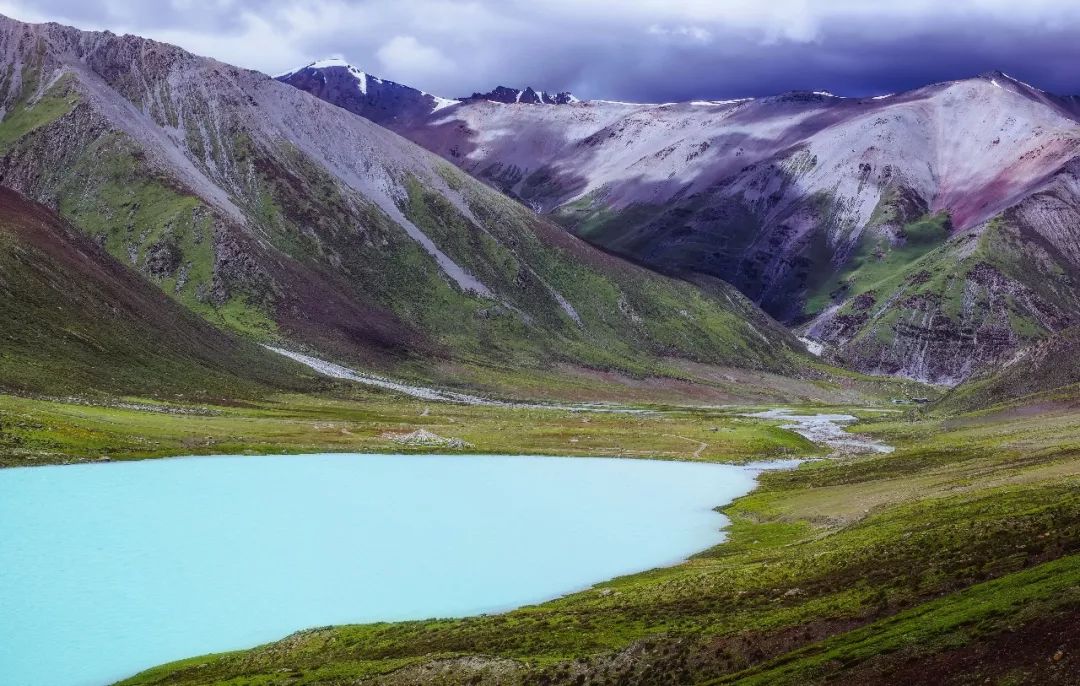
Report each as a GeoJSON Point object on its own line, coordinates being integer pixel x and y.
{"type": "Point", "coordinates": [76, 321]}
{"type": "Point", "coordinates": [928, 234]}
{"type": "Point", "coordinates": [380, 100]}
{"type": "Point", "coordinates": [274, 214]}
{"type": "Point", "coordinates": [392, 104]}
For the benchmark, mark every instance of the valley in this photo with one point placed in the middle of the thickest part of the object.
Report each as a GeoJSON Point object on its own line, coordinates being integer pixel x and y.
{"type": "Point", "coordinates": [201, 260]}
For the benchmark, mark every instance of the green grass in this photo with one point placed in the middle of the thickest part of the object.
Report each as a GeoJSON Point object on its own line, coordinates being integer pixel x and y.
{"type": "Point", "coordinates": [968, 617]}
{"type": "Point", "coordinates": [974, 286]}
{"type": "Point", "coordinates": [875, 260]}
{"type": "Point", "coordinates": [31, 112]}
{"type": "Point", "coordinates": [630, 317]}
{"type": "Point", "coordinates": [76, 321]}
{"type": "Point", "coordinates": [110, 196]}
{"type": "Point", "coordinates": [39, 431]}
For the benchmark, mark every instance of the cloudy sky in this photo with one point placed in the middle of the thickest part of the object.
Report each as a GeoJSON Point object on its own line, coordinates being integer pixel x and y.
{"type": "Point", "coordinates": [640, 50]}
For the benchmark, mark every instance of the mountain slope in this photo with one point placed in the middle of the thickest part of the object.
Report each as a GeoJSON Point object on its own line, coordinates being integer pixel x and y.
{"type": "Point", "coordinates": [77, 321]}
{"type": "Point", "coordinates": [807, 202]}
{"type": "Point", "coordinates": [271, 212]}
{"type": "Point", "coordinates": [1049, 369]}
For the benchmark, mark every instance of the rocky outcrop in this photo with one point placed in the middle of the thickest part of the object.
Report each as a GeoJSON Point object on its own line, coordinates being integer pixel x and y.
{"type": "Point", "coordinates": [526, 96]}
{"type": "Point", "coordinates": [426, 439]}
{"type": "Point", "coordinates": [961, 309]}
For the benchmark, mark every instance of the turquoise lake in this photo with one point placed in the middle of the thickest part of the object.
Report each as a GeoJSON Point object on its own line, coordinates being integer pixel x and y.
{"type": "Point", "coordinates": [108, 569]}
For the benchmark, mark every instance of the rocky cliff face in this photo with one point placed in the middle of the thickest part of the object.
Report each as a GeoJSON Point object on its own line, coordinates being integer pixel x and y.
{"type": "Point", "coordinates": [281, 216]}
{"type": "Point", "coordinates": [819, 207]}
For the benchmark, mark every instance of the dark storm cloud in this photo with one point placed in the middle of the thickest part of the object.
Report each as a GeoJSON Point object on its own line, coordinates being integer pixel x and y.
{"type": "Point", "coordinates": [643, 50]}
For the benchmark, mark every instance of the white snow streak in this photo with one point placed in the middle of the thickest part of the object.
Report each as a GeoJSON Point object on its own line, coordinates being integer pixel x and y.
{"type": "Point", "coordinates": [710, 103]}
{"type": "Point", "coordinates": [336, 371]}
{"type": "Point", "coordinates": [361, 79]}
{"type": "Point", "coordinates": [1022, 83]}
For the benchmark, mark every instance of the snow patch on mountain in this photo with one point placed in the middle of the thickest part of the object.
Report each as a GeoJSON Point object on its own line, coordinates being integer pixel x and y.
{"type": "Point", "coordinates": [1022, 83]}
{"type": "Point", "coordinates": [443, 103]}
{"type": "Point", "coordinates": [713, 103]}
{"type": "Point", "coordinates": [330, 62]}
{"type": "Point", "coordinates": [365, 80]}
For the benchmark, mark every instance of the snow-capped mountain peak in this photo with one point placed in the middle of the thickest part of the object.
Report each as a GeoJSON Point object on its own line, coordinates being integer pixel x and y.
{"type": "Point", "coordinates": [329, 62]}
{"type": "Point", "coordinates": [380, 100]}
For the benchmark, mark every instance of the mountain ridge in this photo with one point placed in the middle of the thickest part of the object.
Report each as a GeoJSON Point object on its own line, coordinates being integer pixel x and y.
{"type": "Point", "coordinates": [804, 201]}
{"type": "Point", "coordinates": [523, 96]}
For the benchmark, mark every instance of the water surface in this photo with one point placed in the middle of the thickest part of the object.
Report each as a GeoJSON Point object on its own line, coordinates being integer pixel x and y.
{"type": "Point", "coordinates": [107, 569]}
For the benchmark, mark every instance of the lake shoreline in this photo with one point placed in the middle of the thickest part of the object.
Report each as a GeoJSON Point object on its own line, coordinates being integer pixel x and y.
{"type": "Point", "coordinates": [630, 515]}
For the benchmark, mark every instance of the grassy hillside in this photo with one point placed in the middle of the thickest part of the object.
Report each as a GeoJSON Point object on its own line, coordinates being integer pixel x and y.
{"type": "Point", "coordinates": [844, 571]}
{"type": "Point", "coordinates": [876, 258]}
{"type": "Point", "coordinates": [947, 309]}
{"type": "Point", "coordinates": [287, 220]}
{"type": "Point", "coordinates": [78, 322]}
